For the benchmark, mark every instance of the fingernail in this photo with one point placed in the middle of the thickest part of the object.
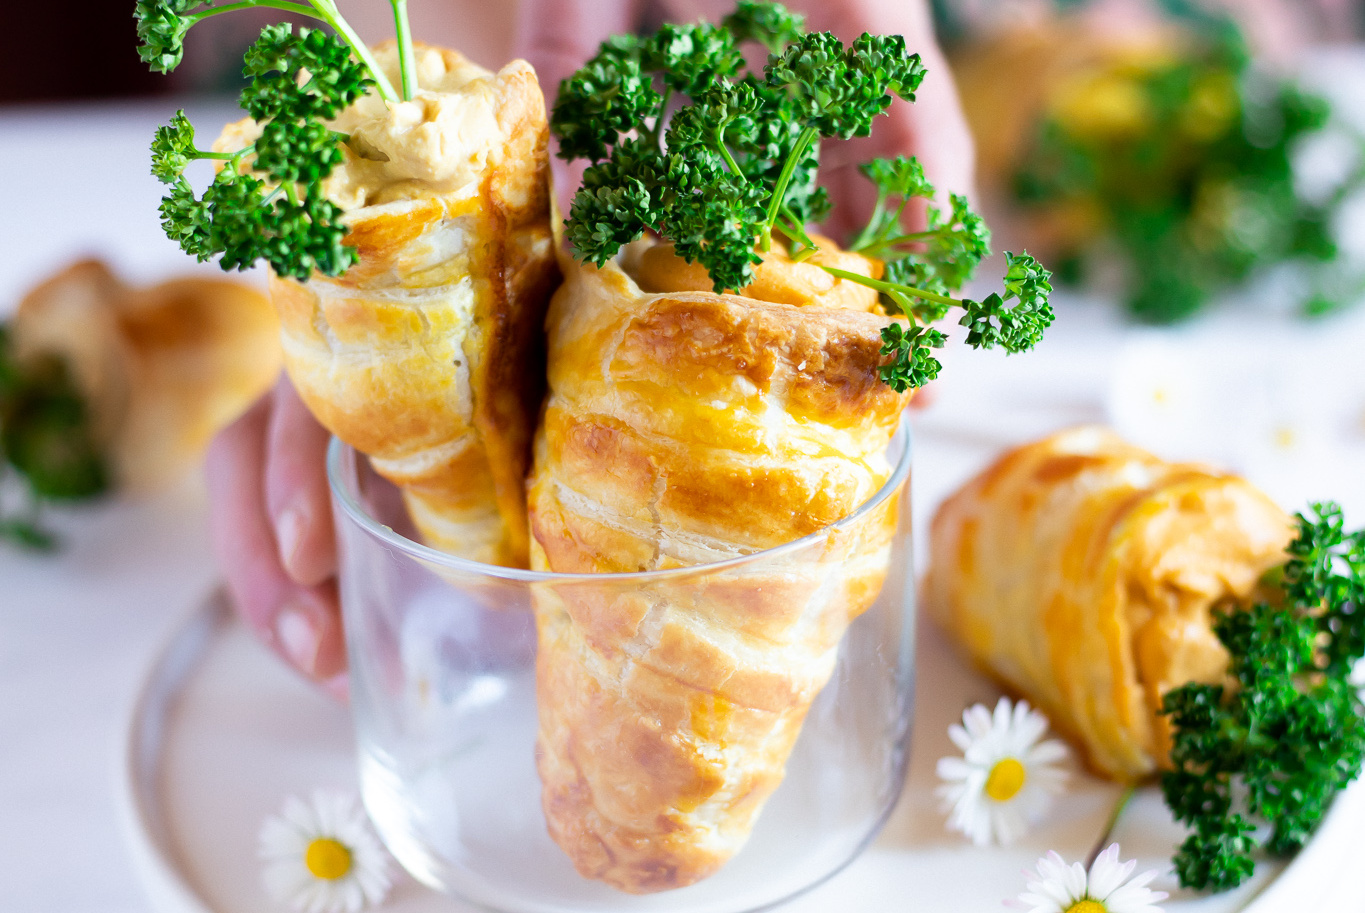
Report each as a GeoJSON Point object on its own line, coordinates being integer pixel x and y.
{"type": "Point", "coordinates": [288, 532]}
{"type": "Point", "coordinates": [297, 638]}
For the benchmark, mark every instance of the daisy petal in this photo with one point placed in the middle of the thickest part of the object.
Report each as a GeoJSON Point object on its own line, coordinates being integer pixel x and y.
{"type": "Point", "coordinates": [284, 842]}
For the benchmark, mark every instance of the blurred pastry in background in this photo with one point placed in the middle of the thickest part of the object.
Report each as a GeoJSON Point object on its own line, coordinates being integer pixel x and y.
{"type": "Point", "coordinates": [1161, 155]}
{"type": "Point", "coordinates": [104, 385]}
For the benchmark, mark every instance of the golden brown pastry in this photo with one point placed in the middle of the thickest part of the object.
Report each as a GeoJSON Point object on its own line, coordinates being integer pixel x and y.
{"type": "Point", "coordinates": [683, 428]}
{"type": "Point", "coordinates": [427, 354]}
{"type": "Point", "coordinates": [1080, 571]}
{"type": "Point", "coordinates": [161, 369]}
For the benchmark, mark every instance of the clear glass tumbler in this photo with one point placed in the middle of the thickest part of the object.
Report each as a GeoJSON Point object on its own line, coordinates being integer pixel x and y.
{"type": "Point", "coordinates": [443, 690]}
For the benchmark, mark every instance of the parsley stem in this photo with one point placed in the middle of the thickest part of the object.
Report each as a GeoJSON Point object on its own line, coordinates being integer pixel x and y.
{"type": "Point", "coordinates": [808, 136]}
{"type": "Point", "coordinates": [655, 131]}
{"type": "Point", "coordinates": [789, 225]}
{"type": "Point", "coordinates": [864, 240]}
{"type": "Point", "coordinates": [327, 11]}
{"type": "Point", "coordinates": [907, 238]}
{"type": "Point", "coordinates": [403, 31]}
{"type": "Point", "coordinates": [890, 288]}
{"type": "Point", "coordinates": [724, 149]}
{"type": "Point", "coordinates": [1124, 798]}
{"type": "Point", "coordinates": [297, 9]}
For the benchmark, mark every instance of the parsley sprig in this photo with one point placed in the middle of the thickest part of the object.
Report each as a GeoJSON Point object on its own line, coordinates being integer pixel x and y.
{"type": "Point", "coordinates": [1288, 732]}
{"type": "Point", "coordinates": [689, 143]}
{"type": "Point", "coordinates": [46, 441]}
{"type": "Point", "coordinates": [924, 268]}
{"type": "Point", "coordinates": [266, 201]}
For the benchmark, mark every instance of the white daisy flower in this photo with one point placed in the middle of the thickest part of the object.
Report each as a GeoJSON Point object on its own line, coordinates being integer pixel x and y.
{"type": "Point", "coordinates": [1061, 888]}
{"type": "Point", "coordinates": [322, 857]}
{"type": "Point", "coordinates": [1006, 778]}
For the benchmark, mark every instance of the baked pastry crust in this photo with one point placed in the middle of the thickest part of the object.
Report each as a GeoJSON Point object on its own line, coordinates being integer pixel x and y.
{"type": "Point", "coordinates": [1080, 571]}
{"type": "Point", "coordinates": [426, 354]}
{"type": "Point", "coordinates": [161, 368]}
{"type": "Point", "coordinates": [685, 428]}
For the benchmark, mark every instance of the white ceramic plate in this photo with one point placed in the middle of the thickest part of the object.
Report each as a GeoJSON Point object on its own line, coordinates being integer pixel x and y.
{"type": "Point", "coordinates": [221, 733]}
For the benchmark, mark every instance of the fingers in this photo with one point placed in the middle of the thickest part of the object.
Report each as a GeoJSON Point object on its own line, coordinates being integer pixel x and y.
{"type": "Point", "coordinates": [557, 37]}
{"type": "Point", "coordinates": [296, 493]}
{"type": "Point", "coordinates": [302, 623]}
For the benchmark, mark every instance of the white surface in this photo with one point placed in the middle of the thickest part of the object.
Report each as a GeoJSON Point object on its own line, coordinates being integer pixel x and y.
{"type": "Point", "coordinates": [78, 630]}
{"type": "Point", "coordinates": [222, 733]}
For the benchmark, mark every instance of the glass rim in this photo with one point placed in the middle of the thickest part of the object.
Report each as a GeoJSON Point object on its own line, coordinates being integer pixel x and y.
{"type": "Point", "coordinates": [337, 449]}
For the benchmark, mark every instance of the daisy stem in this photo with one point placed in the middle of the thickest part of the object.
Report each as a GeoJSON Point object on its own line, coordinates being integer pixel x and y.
{"type": "Point", "coordinates": [1124, 798]}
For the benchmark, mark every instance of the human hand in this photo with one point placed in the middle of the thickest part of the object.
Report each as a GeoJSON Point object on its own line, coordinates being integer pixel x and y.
{"type": "Point", "coordinates": [271, 525]}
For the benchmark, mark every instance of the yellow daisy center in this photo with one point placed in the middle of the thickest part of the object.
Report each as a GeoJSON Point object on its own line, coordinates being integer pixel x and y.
{"type": "Point", "coordinates": [1087, 906]}
{"type": "Point", "coordinates": [327, 858]}
{"type": "Point", "coordinates": [1004, 782]}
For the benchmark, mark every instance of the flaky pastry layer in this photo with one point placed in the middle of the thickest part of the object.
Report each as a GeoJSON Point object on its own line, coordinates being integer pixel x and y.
{"type": "Point", "coordinates": [426, 355]}
{"type": "Point", "coordinates": [1081, 571]}
{"type": "Point", "coordinates": [685, 428]}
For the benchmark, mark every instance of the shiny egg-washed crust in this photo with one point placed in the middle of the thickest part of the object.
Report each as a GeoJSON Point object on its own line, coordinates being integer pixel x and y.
{"type": "Point", "coordinates": [1080, 571]}
{"type": "Point", "coordinates": [684, 428]}
{"type": "Point", "coordinates": [161, 368]}
{"type": "Point", "coordinates": [426, 354]}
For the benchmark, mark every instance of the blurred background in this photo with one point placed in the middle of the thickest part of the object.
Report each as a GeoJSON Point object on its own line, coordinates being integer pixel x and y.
{"type": "Point", "coordinates": [97, 58]}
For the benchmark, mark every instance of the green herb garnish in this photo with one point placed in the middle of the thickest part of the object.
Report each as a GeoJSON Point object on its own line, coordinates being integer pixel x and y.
{"type": "Point", "coordinates": [45, 439]}
{"type": "Point", "coordinates": [687, 142]}
{"type": "Point", "coordinates": [266, 202]}
{"type": "Point", "coordinates": [1288, 733]}
{"type": "Point", "coordinates": [1187, 166]}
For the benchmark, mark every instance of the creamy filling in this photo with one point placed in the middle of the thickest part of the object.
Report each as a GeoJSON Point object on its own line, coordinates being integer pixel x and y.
{"type": "Point", "coordinates": [436, 142]}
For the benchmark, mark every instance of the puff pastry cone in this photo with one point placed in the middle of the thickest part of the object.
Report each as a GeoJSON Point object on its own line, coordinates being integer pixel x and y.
{"type": "Point", "coordinates": [161, 368]}
{"type": "Point", "coordinates": [1080, 571]}
{"type": "Point", "coordinates": [685, 427]}
{"type": "Point", "coordinates": [427, 354]}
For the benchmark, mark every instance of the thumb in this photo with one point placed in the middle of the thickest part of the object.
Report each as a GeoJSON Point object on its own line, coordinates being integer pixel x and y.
{"type": "Point", "coordinates": [557, 37]}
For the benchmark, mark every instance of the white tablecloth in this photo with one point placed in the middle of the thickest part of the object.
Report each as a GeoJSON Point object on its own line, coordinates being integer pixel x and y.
{"type": "Point", "coordinates": [78, 629]}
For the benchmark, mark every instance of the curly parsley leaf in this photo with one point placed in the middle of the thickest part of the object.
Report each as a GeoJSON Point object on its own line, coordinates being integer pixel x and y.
{"type": "Point", "coordinates": [606, 98]}
{"type": "Point", "coordinates": [911, 364]}
{"type": "Point", "coordinates": [161, 28]}
{"type": "Point", "coordinates": [46, 439]}
{"type": "Point", "coordinates": [838, 91]}
{"type": "Point", "coordinates": [173, 149]}
{"type": "Point", "coordinates": [305, 76]}
{"type": "Point", "coordinates": [739, 157]}
{"type": "Point", "coordinates": [1016, 327]}
{"type": "Point", "coordinates": [1278, 745]}
{"type": "Point", "coordinates": [769, 24]}
{"type": "Point", "coordinates": [691, 58]}
{"type": "Point", "coordinates": [266, 202]}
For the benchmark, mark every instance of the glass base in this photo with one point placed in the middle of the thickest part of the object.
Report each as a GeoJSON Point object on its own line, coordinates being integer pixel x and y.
{"type": "Point", "coordinates": [463, 814]}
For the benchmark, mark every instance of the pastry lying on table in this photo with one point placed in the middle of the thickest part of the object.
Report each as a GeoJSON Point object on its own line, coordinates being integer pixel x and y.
{"type": "Point", "coordinates": [1080, 571]}
{"type": "Point", "coordinates": [159, 370]}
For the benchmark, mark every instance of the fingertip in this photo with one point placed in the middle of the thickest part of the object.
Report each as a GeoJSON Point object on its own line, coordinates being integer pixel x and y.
{"type": "Point", "coordinates": [306, 631]}
{"type": "Point", "coordinates": [296, 491]}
